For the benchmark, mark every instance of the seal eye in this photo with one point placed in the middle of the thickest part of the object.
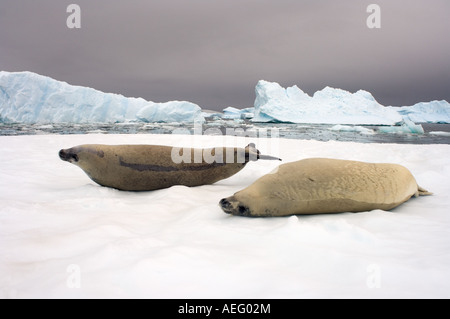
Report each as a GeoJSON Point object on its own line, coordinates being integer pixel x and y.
{"type": "Point", "coordinates": [242, 210]}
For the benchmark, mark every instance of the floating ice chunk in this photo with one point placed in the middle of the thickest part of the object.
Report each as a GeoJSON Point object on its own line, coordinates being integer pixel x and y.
{"type": "Point", "coordinates": [407, 127]}
{"type": "Point", "coordinates": [246, 116]}
{"type": "Point", "coordinates": [234, 113]}
{"type": "Point", "coordinates": [231, 113]}
{"type": "Point", "coordinates": [211, 114]}
{"type": "Point", "coordinates": [248, 113]}
{"type": "Point", "coordinates": [346, 128]}
{"type": "Point", "coordinates": [439, 133]}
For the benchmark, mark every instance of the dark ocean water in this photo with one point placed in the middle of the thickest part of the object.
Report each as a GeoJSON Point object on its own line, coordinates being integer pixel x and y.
{"type": "Point", "coordinates": [434, 133]}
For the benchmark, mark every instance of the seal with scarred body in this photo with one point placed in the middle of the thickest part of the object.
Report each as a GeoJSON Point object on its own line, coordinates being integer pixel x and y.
{"type": "Point", "coordinates": [321, 185]}
{"type": "Point", "coordinates": [150, 167]}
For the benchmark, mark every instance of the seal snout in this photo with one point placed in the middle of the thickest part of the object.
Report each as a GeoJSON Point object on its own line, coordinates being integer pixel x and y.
{"type": "Point", "coordinates": [68, 156]}
{"type": "Point", "coordinates": [226, 206]}
{"type": "Point", "coordinates": [233, 207]}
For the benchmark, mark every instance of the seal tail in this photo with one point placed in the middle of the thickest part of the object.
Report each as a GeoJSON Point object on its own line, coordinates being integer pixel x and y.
{"type": "Point", "coordinates": [422, 192]}
{"type": "Point", "coordinates": [268, 157]}
{"type": "Point", "coordinates": [254, 154]}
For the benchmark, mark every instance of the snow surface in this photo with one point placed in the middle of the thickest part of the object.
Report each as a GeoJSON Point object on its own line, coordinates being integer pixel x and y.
{"type": "Point", "coordinates": [274, 103]}
{"type": "Point", "coordinates": [27, 97]}
{"type": "Point", "coordinates": [58, 228]}
{"type": "Point", "coordinates": [427, 112]}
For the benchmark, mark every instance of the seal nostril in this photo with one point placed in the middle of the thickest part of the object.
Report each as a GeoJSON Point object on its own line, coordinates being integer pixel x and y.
{"type": "Point", "coordinates": [224, 203]}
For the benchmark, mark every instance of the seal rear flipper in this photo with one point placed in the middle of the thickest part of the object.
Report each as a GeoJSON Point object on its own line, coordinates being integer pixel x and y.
{"type": "Point", "coordinates": [268, 157]}
{"type": "Point", "coordinates": [252, 154]}
{"type": "Point", "coordinates": [422, 192]}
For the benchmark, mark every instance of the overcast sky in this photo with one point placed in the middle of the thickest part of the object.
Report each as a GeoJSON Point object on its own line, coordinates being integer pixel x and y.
{"type": "Point", "coordinates": [213, 52]}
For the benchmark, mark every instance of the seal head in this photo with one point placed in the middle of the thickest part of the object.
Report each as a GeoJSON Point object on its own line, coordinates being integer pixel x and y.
{"type": "Point", "coordinates": [77, 154]}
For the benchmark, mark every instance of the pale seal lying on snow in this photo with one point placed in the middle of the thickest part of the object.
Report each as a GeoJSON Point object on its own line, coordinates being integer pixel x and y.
{"type": "Point", "coordinates": [320, 185]}
{"type": "Point", "coordinates": [150, 167]}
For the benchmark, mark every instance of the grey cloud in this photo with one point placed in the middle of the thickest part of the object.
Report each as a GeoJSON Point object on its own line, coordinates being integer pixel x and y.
{"type": "Point", "coordinates": [213, 52]}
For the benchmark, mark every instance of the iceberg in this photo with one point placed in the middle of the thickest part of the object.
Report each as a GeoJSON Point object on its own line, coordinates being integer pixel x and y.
{"type": "Point", "coordinates": [27, 97]}
{"type": "Point", "coordinates": [174, 111]}
{"type": "Point", "coordinates": [427, 112]}
{"type": "Point", "coordinates": [274, 103]}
